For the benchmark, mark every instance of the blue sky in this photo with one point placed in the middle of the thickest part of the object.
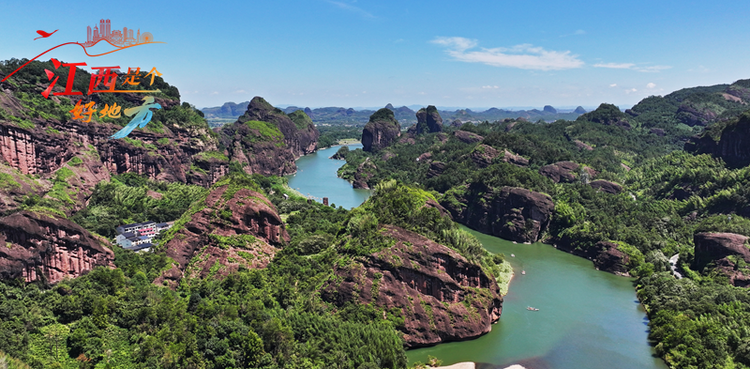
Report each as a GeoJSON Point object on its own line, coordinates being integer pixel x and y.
{"type": "Point", "coordinates": [367, 53]}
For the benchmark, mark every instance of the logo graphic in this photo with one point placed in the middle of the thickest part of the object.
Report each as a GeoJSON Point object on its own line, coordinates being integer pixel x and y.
{"type": "Point", "coordinates": [120, 40]}
{"type": "Point", "coordinates": [104, 76]}
{"type": "Point", "coordinates": [143, 115]}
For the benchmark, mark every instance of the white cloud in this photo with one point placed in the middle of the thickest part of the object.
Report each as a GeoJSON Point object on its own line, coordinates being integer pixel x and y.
{"type": "Point", "coordinates": [631, 91]}
{"type": "Point", "coordinates": [613, 85]}
{"type": "Point", "coordinates": [240, 92]}
{"type": "Point", "coordinates": [578, 32]}
{"type": "Point", "coordinates": [524, 56]}
{"type": "Point", "coordinates": [488, 86]}
{"type": "Point", "coordinates": [351, 8]}
{"type": "Point", "coordinates": [651, 85]}
{"type": "Point", "coordinates": [631, 66]}
{"type": "Point", "coordinates": [215, 93]}
{"type": "Point", "coordinates": [615, 65]}
{"type": "Point", "coordinates": [653, 68]}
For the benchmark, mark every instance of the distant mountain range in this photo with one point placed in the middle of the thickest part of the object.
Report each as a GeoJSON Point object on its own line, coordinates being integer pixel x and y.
{"type": "Point", "coordinates": [229, 112]}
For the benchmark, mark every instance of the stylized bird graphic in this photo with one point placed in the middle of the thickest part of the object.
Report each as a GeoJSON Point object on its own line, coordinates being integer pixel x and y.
{"type": "Point", "coordinates": [44, 34]}
{"type": "Point", "coordinates": [142, 116]}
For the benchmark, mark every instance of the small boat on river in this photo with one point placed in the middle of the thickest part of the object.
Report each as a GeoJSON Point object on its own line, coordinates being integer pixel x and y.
{"type": "Point", "coordinates": [532, 308]}
{"type": "Point", "coordinates": [523, 272]}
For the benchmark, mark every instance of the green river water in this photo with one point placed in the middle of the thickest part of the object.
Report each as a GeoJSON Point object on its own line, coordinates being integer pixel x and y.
{"type": "Point", "coordinates": [586, 318]}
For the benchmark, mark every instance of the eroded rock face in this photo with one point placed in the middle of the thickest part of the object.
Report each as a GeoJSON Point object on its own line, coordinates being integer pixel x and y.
{"type": "Point", "coordinates": [436, 168]}
{"type": "Point", "coordinates": [261, 150]}
{"type": "Point", "coordinates": [562, 171]}
{"type": "Point", "coordinates": [382, 130]}
{"type": "Point", "coordinates": [243, 228]}
{"type": "Point", "coordinates": [483, 155]}
{"type": "Point", "coordinates": [442, 296]}
{"type": "Point", "coordinates": [38, 247]}
{"type": "Point", "coordinates": [611, 259]}
{"type": "Point", "coordinates": [364, 172]}
{"type": "Point", "coordinates": [257, 154]}
{"type": "Point", "coordinates": [606, 186]}
{"type": "Point", "coordinates": [468, 137]}
{"type": "Point", "coordinates": [429, 120]}
{"type": "Point", "coordinates": [726, 251]}
{"type": "Point", "coordinates": [605, 255]}
{"type": "Point", "coordinates": [582, 145]}
{"type": "Point", "coordinates": [300, 134]}
{"type": "Point", "coordinates": [565, 171]}
{"type": "Point", "coordinates": [695, 115]}
{"type": "Point", "coordinates": [733, 145]}
{"type": "Point", "coordinates": [512, 213]}
{"type": "Point", "coordinates": [48, 145]}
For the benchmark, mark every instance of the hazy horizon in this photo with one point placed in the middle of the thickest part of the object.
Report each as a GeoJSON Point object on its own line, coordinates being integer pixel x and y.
{"type": "Point", "coordinates": [365, 53]}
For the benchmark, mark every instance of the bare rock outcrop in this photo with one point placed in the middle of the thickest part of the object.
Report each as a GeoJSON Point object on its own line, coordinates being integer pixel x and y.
{"type": "Point", "coordinates": [429, 120]}
{"type": "Point", "coordinates": [436, 168]}
{"type": "Point", "coordinates": [300, 134]}
{"type": "Point", "coordinates": [509, 212]}
{"type": "Point", "coordinates": [565, 171]}
{"type": "Point", "coordinates": [728, 252]}
{"type": "Point", "coordinates": [235, 227]}
{"type": "Point", "coordinates": [364, 172]}
{"type": "Point", "coordinates": [442, 296]}
{"type": "Point", "coordinates": [36, 246]}
{"type": "Point", "coordinates": [733, 145]}
{"type": "Point", "coordinates": [468, 137]}
{"type": "Point", "coordinates": [381, 131]}
{"type": "Point", "coordinates": [483, 156]}
{"type": "Point", "coordinates": [606, 186]}
{"type": "Point", "coordinates": [605, 255]}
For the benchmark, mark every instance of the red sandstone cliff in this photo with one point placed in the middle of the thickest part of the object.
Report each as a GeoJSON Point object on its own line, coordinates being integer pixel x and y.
{"type": "Point", "coordinates": [442, 296]}
{"type": "Point", "coordinates": [230, 230]}
{"type": "Point", "coordinates": [40, 247]}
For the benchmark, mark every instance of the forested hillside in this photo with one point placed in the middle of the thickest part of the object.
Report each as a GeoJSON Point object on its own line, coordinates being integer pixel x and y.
{"type": "Point", "coordinates": [626, 195]}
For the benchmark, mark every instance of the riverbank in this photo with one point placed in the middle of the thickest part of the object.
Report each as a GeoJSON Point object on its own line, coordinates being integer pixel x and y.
{"type": "Point", "coordinates": [505, 277]}
{"type": "Point", "coordinates": [587, 318]}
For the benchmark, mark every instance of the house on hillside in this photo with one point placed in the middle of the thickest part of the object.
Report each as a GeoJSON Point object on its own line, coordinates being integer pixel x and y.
{"type": "Point", "coordinates": [139, 236]}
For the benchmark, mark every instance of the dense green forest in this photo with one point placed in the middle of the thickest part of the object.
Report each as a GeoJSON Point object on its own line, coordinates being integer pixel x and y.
{"type": "Point", "coordinates": [669, 195]}
{"type": "Point", "coordinates": [269, 318]}
{"type": "Point", "coordinates": [276, 318]}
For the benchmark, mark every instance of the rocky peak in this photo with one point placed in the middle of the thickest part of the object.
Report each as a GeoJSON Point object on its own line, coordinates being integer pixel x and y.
{"type": "Point", "coordinates": [549, 109]}
{"type": "Point", "coordinates": [381, 131]}
{"type": "Point", "coordinates": [580, 110]}
{"type": "Point", "coordinates": [429, 120]}
{"type": "Point", "coordinates": [300, 137]}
